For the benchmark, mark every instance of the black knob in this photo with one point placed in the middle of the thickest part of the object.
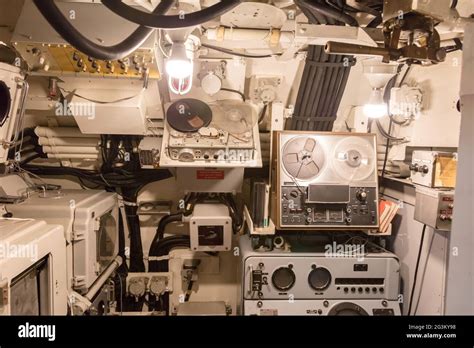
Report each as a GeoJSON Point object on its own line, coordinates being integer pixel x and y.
{"type": "Point", "coordinates": [425, 169]}
{"type": "Point", "coordinates": [319, 278]}
{"type": "Point", "coordinates": [361, 195]}
{"type": "Point", "coordinates": [283, 278]}
{"type": "Point", "coordinates": [294, 194]}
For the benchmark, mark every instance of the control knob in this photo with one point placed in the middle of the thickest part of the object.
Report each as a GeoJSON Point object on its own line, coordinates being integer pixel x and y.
{"type": "Point", "coordinates": [361, 195]}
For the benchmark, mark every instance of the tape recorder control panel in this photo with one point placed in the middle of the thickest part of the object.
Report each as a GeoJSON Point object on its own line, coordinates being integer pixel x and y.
{"type": "Point", "coordinates": [223, 134]}
{"type": "Point", "coordinates": [325, 181]}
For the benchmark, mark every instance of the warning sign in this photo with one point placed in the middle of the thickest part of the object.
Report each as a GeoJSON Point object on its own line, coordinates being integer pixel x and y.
{"type": "Point", "coordinates": [210, 175]}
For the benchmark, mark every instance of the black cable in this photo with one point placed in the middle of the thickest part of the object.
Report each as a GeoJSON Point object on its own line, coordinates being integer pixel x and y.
{"type": "Point", "coordinates": [263, 113]}
{"type": "Point", "coordinates": [416, 269]}
{"type": "Point", "coordinates": [454, 4]}
{"type": "Point", "coordinates": [153, 20]}
{"type": "Point", "coordinates": [375, 22]}
{"type": "Point", "coordinates": [458, 46]}
{"type": "Point", "coordinates": [387, 146]}
{"type": "Point", "coordinates": [165, 221]}
{"type": "Point", "coordinates": [234, 91]}
{"type": "Point", "coordinates": [189, 290]}
{"type": "Point", "coordinates": [330, 12]}
{"type": "Point", "coordinates": [386, 134]}
{"type": "Point", "coordinates": [234, 53]}
{"type": "Point", "coordinates": [61, 24]}
{"type": "Point", "coordinates": [391, 122]}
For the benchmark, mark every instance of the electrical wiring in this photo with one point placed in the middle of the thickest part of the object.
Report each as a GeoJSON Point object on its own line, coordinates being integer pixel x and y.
{"type": "Point", "coordinates": [379, 126]}
{"type": "Point", "coordinates": [100, 101]}
{"type": "Point", "coordinates": [234, 53]}
{"type": "Point", "coordinates": [242, 95]}
{"type": "Point", "coordinates": [263, 113]}
{"type": "Point", "coordinates": [63, 27]}
{"type": "Point", "coordinates": [155, 20]}
{"type": "Point", "coordinates": [424, 273]}
{"type": "Point", "coordinates": [415, 276]}
{"type": "Point", "coordinates": [386, 134]}
{"type": "Point", "coordinates": [329, 11]}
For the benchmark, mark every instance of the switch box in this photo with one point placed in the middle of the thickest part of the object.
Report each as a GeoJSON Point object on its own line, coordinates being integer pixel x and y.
{"type": "Point", "coordinates": [434, 208]}
{"type": "Point", "coordinates": [210, 228]}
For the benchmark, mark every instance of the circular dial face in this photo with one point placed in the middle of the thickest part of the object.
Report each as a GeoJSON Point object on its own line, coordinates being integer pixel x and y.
{"type": "Point", "coordinates": [348, 309]}
{"type": "Point", "coordinates": [5, 102]}
{"type": "Point", "coordinates": [319, 278]}
{"type": "Point", "coordinates": [283, 278]}
{"type": "Point", "coordinates": [303, 158]}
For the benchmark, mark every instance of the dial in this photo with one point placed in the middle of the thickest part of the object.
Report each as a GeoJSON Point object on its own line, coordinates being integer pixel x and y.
{"type": "Point", "coordinates": [283, 278]}
{"type": "Point", "coordinates": [319, 278]}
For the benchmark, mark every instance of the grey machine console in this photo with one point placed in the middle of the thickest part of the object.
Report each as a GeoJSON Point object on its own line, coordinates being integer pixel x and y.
{"type": "Point", "coordinates": [325, 181]}
{"type": "Point", "coordinates": [315, 283]}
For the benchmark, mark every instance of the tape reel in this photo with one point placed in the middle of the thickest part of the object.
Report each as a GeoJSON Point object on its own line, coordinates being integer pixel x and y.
{"type": "Point", "coordinates": [303, 158]}
{"type": "Point", "coordinates": [234, 117]}
{"type": "Point", "coordinates": [188, 115]}
{"type": "Point", "coordinates": [353, 159]}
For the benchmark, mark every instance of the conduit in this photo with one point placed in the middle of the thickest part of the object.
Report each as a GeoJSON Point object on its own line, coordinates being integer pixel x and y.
{"type": "Point", "coordinates": [323, 82]}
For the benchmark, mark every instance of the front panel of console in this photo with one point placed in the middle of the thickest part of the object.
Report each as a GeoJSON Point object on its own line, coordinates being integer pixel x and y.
{"type": "Point", "coordinates": [322, 307]}
{"type": "Point", "coordinates": [357, 207]}
{"type": "Point", "coordinates": [287, 278]}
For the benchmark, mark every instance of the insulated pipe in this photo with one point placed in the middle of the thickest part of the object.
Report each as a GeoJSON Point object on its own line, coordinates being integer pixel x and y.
{"type": "Point", "coordinates": [153, 20]}
{"type": "Point", "coordinates": [273, 36]}
{"type": "Point", "coordinates": [67, 156]}
{"type": "Point", "coordinates": [88, 142]}
{"type": "Point", "coordinates": [59, 132]}
{"type": "Point", "coordinates": [99, 282]}
{"type": "Point", "coordinates": [70, 150]}
{"type": "Point", "coordinates": [61, 24]}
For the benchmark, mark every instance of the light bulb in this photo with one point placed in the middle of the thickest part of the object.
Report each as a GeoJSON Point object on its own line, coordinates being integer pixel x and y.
{"type": "Point", "coordinates": [375, 110]}
{"type": "Point", "coordinates": [178, 65]}
{"type": "Point", "coordinates": [376, 107]}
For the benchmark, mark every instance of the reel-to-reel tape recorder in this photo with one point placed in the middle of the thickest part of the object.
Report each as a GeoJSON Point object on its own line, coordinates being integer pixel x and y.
{"type": "Point", "coordinates": [222, 134]}
{"type": "Point", "coordinates": [324, 181]}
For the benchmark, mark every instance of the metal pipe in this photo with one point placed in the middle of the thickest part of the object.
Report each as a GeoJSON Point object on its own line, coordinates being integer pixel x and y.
{"type": "Point", "coordinates": [99, 282]}
{"type": "Point", "coordinates": [333, 47]}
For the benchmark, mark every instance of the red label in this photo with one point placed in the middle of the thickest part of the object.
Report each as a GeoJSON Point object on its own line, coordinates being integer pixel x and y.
{"type": "Point", "coordinates": [210, 175]}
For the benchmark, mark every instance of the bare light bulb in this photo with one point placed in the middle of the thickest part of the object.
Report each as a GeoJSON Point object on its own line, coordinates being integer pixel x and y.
{"type": "Point", "coordinates": [376, 107]}
{"type": "Point", "coordinates": [178, 65]}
